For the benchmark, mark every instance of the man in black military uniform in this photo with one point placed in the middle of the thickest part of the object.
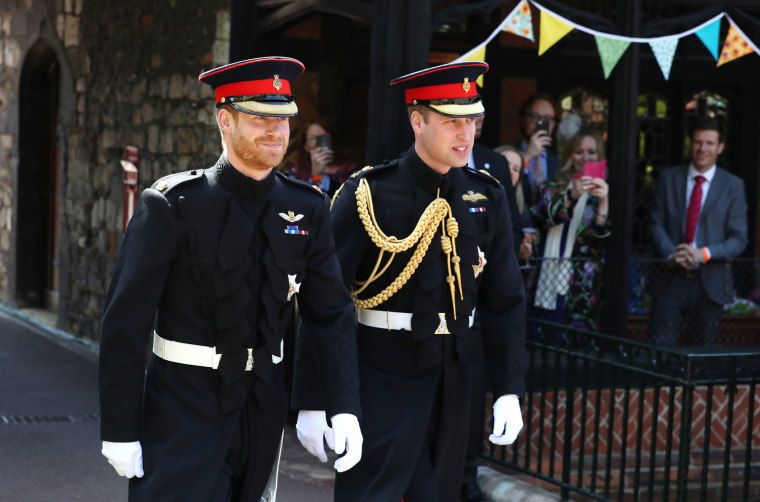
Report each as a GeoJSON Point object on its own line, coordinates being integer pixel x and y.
{"type": "Point", "coordinates": [421, 241]}
{"type": "Point", "coordinates": [210, 268]}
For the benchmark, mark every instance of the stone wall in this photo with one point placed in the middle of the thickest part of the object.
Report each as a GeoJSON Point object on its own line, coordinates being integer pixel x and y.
{"type": "Point", "coordinates": [130, 77]}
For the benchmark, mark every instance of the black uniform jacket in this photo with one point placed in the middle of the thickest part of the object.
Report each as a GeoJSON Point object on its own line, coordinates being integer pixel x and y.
{"type": "Point", "coordinates": [212, 257]}
{"type": "Point", "coordinates": [401, 190]}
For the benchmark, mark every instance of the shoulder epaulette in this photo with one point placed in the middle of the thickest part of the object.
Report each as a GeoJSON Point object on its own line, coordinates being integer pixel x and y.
{"type": "Point", "coordinates": [366, 170]}
{"type": "Point", "coordinates": [482, 173]}
{"type": "Point", "coordinates": [166, 183]}
{"type": "Point", "coordinates": [301, 184]}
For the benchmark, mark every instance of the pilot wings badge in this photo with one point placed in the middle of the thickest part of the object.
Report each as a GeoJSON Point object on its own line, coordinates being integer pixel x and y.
{"type": "Point", "coordinates": [291, 216]}
{"type": "Point", "coordinates": [471, 196]}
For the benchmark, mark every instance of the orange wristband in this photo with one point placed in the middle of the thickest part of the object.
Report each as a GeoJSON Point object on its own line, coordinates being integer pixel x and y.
{"type": "Point", "coordinates": [707, 255]}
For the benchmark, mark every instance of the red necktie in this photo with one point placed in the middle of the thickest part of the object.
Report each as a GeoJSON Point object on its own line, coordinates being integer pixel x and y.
{"type": "Point", "coordinates": [692, 214]}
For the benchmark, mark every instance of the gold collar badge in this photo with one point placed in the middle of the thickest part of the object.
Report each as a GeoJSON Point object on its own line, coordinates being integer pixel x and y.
{"type": "Point", "coordinates": [466, 86]}
{"type": "Point", "coordinates": [473, 196]}
{"type": "Point", "coordinates": [277, 83]}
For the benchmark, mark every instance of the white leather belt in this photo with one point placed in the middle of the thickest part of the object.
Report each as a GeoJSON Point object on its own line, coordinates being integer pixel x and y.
{"type": "Point", "coordinates": [383, 319]}
{"type": "Point", "coordinates": [188, 353]}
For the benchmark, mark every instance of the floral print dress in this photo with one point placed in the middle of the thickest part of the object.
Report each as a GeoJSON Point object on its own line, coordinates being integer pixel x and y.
{"type": "Point", "coordinates": [580, 307]}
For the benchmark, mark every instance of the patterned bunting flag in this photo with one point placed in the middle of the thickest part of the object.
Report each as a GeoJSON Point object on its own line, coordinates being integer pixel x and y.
{"type": "Point", "coordinates": [664, 50]}
{"type": "Point", "coordinates": [709, 36]}
{"type": "Point", "coordinates": [610, 51]}
{"type": "Point", "coordinates": [520, 22]}
{"type": "Point", "coordinates": [735, 45]}
{"type": "Point", "coordinates": [552, 29]}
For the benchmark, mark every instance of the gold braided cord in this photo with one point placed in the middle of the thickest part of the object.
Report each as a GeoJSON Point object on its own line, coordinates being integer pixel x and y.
{"type": "Point", "coordinates": [335, 196]}
{"type": "Point", "coordinates": [372, 275]}
{"type": "Point", "coordinates": [423, 233]}
{"type": "Point", "coordinates": [431, 217]}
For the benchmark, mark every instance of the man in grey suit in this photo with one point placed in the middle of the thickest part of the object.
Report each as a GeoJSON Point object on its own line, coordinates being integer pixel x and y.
{"type": "Point", "coordinates": [699, 219]}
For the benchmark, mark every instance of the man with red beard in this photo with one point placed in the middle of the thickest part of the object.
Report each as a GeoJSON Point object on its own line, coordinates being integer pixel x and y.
{"type": "Point", "coordinates": [209, 271]}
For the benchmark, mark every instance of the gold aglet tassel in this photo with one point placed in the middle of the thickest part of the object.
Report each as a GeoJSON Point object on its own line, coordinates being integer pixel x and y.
{"type": "Point", "coordinates": [455, 260]}
{"type": "Point", "coordinates": [453, 228]}
{"type": "Point", "coordinates": [446, 246]}
{"type": "Point", "coordinates": [450, 280]}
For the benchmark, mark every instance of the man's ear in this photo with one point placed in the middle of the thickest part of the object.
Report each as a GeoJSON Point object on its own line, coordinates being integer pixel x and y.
{"type": "Point", "coordinates": [224, 120]}
{"type": "Point", "coordinates": [416, 119]}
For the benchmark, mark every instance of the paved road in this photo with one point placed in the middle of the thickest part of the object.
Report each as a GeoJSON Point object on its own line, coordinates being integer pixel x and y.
{"type": "Point", "coordinates": [49, 445]}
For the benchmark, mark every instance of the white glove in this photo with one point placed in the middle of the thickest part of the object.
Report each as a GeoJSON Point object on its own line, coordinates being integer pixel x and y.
{"type": "Point", "coordinates": [348, 438]}
{"type": "Point", "coordinates": [507, 420]}
{"type": "Point", "coordinates": [126, 458]}
{"type": "Point", "coordinates": [312, 431]}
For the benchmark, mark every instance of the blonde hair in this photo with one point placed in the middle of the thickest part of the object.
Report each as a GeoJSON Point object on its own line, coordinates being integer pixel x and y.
{"type": "Point", "coordinates": [565, 175]}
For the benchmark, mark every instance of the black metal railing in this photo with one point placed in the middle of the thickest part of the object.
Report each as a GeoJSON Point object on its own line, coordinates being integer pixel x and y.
{"type": "Point", "coordinates": [608, 418]}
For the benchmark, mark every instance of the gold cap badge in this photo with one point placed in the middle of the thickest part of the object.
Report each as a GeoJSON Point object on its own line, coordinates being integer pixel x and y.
{"type": "Point", "coordinates": [277, 83]}
{"type": "Point", "coordinates": [466, 86]}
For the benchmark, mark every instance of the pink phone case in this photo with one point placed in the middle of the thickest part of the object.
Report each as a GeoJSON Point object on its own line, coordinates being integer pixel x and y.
{"type": "Point", "coordinates": [595, 169]}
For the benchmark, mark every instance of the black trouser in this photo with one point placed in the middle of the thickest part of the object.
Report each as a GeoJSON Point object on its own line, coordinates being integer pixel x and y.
{"type": "Point", "coordinates": [414, 423]}
{"type": "Point", "coordinates": [477, 406]}
{"type": "Point", "coordinates": [250, 457]}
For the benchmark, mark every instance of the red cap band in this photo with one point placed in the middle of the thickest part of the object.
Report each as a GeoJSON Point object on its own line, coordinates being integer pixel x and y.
{"type": "Point", "coordinates": [264, 86]}
{"type": "Point", "coordinates": [444, 91]}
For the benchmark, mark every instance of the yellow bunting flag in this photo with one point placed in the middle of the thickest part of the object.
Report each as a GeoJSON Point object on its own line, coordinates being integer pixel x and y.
{"type": "Point", "coordinates": [552, 29]}
{"type": "Point", "coordinates": [735, 45]}
{"type": "Point", "coordinates": [477, 54]}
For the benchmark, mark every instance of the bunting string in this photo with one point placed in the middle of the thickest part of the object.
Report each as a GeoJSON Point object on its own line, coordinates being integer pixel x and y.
{"type": "Point", "coordinates": [611, 47]}
{"type": "Point", "coordinates": [639, 40]}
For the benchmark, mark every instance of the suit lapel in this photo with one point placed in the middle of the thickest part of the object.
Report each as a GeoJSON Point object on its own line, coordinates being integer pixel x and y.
{"type": "Point", "coordinates": [717, 185]}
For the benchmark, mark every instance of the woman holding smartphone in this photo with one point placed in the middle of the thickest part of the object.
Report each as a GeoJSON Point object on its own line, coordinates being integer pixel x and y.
{"type": "Point", "coordinates": [315, 160]}
{"type": "Point", "coordinates": [572, 214]}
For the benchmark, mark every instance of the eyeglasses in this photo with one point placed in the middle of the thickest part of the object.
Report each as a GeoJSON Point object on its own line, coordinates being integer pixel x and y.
{"type": "Point", "coordinates": [536, 117]}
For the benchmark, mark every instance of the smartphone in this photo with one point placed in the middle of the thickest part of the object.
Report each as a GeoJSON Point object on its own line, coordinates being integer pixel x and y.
{"type": "Point", "coordinates": [324, 140]}
{"type": "Point", "coordinates": [595, 169]}
{"type": "Point", "coordinates": [542, 125]}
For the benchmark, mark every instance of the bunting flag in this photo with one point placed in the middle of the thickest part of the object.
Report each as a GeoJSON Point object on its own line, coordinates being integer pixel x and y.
{"type": "Point", "coordinates": [709, 36]}
{"type": "Point", "coordinates": [552, 30]}
{"type": "Point", "coordinates": [610, 51]}
{"type": "Point", "coordinates": [520, 21]}
{"type": "Point", "coordinates": [611, 47]}
{"type": "Point", "coordinates": [664, 51]}
{"type": "Point", "coordinates": [735, 46]}
{"type": "Point", "coordinates": [477, 54]}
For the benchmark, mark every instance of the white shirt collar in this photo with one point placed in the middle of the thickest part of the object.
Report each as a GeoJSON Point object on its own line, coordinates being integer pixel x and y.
{"type": "Point", "coordinates": [709, 174]}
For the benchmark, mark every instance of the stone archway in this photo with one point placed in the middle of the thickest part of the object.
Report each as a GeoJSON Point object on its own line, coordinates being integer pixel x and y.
{"type": "Point", "coordinates": [39, 180]}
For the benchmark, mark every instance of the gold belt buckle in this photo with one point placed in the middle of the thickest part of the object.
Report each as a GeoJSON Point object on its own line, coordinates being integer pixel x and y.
{"type": "Point", "coordinates": [249, 362]}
